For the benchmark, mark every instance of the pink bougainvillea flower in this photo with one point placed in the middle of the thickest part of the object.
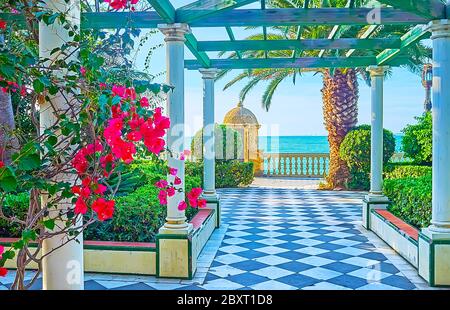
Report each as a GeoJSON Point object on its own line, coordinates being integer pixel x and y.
{"type": "Point", "coordinates": [170, 191]}
{"type": "Point", "coordinates": [173, 171]}
{"type": "Point", "coordinates": [83, 71]}
{"type": "Point", "coordinates": [100, 189]}
{"type": "Point", "coordinates": [201, 203]}
{"type": "Point", "coordinates": [144, 102]}
{"type": "Point", "coordinates": [104, 208]}
{"type": "Point", "coordinates": [80, 206]}
{"type": "Point", "coordinates": [177, 181]}
{"type": "Point", "coordinates": [161, 184]}
{"type": "Point", "coordinates": [162, 196]}
{"type": "Point", "coordinates": [117, 4]}
{"type": "Point", "coordinates": [182, 206]}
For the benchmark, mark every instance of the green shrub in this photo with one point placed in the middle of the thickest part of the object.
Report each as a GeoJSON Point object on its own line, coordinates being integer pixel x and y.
{"type": "Point", "coordinates": [229, 173]}
{"type": "Point", "coordinates": [406, 171]}
{"type": "Point", "coordinates": [417, 140]}
{"type": "Point", "coordinates": [228, 143]}
{"type": "Point", "coordinates": [411, 198]}
{"type": "Point", "coordinates": [137, 216]}
{"type": "Point", "coordinates": [14, 205]}
{"type": "Point", "coordinates": [355, 151]}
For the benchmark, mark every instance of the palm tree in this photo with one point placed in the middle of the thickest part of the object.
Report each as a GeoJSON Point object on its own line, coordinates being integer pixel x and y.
{"type": "Point", "coordinates": [340, 92]}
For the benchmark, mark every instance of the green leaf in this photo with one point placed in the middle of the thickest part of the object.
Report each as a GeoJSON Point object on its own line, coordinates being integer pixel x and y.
{"type": "Point", "coordinates": [38, 86]}
{"type": "Point", "coordinates": [18, 244]}
{"type": "Point", "coordinates": [28, 235]}
{"type": "Point", "coordinates": [29, 162]}
{"type": "Point", "coordinates": [49, 224]}
{"type": "Point", "coordinates": [8, 183]}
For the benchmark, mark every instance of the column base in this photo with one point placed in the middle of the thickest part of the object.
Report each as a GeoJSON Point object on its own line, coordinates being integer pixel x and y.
{"type": "Point", "coordinates": [213, 202]}
{"type": "Point", "coordinates": [372, 201]}
{"type": "Point", "coordinates": [168, 229]}
{"type": "Point", "coordinates": [434, 257]}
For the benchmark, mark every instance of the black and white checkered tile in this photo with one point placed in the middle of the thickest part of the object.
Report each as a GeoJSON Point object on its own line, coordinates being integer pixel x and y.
{"type": "Point", "coordinates": [284, 239]}
{"type": "Point", "coordinates": [297, 239]}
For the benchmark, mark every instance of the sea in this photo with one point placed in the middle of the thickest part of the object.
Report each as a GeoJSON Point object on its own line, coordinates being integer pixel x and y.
{"type": "Point", "coordinates": [300, 144]}
{"type": "Point", "coordinates": [304, 144]}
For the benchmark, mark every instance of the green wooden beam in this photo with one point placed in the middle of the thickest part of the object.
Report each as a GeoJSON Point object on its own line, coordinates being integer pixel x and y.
{"type": "Point", "coordinates": [295, 17]}
{"type": "Point", "coordinates": [310, 44]}
{"type": "Point", "coordinates": [302, 62]}
{"type": "Point", "coordinates": [417, 33]}
{"type": "Point", "coordinates": [104, 20]}
{"type": "Point", "coordinates": [232, 38]}
{"type": "Point", "coordinates": [202, 8]}
{"type": "Point", "coordinates": [202, 57]}
{"type": "Point", "coordinates": [432, 9]}
{"type": "Point", "coordinates": [165, 9]}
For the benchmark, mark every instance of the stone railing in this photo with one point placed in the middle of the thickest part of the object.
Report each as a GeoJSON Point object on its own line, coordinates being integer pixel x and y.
{"type": "Point", "coordinates": [301, 165]}
{"type": "Point", "coordinates": [304, 165]}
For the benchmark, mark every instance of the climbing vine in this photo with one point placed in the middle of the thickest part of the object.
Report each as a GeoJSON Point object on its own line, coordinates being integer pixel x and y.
{"type": "Point", "coordinates": [90, 126]}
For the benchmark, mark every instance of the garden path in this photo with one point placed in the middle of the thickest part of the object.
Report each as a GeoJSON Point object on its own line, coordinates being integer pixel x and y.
{"type": "Point", "coordinates": [284, 238]}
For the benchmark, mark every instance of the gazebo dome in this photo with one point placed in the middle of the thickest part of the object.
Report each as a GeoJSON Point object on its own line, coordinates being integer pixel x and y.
{"type": "Point", "coordinates": [240, 116]}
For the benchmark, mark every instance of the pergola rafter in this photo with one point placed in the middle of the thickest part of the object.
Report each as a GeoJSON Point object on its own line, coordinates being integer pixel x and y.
{"type": "Point", "coordinates": [433, 9]}
{"type": "Point", "coordinates": [228, 14]}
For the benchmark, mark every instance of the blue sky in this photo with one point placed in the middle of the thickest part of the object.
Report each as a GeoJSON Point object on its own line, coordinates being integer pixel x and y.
{"type": "Point", "coordinates": [296, 109]}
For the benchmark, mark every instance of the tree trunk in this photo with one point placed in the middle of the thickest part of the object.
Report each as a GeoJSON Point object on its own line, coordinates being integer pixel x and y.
{"type": "Point", "coordinates": [340, 110]}
{"type": "Point", "coordinates": [8, 141]}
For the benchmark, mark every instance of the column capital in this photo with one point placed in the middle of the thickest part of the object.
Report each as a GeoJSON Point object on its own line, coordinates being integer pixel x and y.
{"type": "Point", "coordinates": [174, 32]}
{"type": "Point", "coordinates": [377, 70]}
{"type": "Point", "coordinates": [208, 73]}
{"type": "Point", "coordinates": [439, 28]}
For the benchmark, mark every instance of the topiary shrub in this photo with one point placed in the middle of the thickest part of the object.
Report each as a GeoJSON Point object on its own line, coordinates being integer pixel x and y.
{"type": "Point", "coordinates": [417, 141]}
{"type": "Point", "coordinates": [229, 173]}
{"type": "Point", "coordinates": [355, 151]}
{"type": "Point", "coordinates": [228, 143]}
{"type": "Point", "coordinates": [411, 199]}
{"type": "Point", "coordinates": [406, 171]}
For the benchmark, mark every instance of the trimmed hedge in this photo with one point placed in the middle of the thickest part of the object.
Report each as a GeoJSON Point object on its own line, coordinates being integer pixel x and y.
{"type": "Point", "coordinates": [229, 173]}
{"type": "Point", "coordinates": [411, 198]}
{"type": "Point", "coordinates": [355, 151]}
{"type": "Point", "coordinates": [138, 216]}
{"type": "Point", "coordinates": [406, 171]}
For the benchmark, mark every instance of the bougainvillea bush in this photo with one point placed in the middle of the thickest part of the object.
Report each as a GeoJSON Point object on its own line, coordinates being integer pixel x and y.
{"type": "Point", "coordinates": [89, 127]}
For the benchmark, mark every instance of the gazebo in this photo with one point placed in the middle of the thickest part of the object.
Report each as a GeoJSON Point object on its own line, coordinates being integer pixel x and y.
{"type": "Point", "coordinates": [430, 17]}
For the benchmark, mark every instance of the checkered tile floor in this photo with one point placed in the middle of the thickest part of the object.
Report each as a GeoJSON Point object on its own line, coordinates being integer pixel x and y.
{"type": "Point", "coordinates": [284, 239]}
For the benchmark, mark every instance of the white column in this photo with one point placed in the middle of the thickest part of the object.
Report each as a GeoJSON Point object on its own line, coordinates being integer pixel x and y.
{"type": "Point", "coordinates": [441, 126]}
{"type": "Point", "coordinates": [376, 144]}
{"type": "Point", "coordinates": [209, 152]}
{"type": "Point", "coordinates": [62, 269]}
{"type": "Point", "coordinates": [174, 38]}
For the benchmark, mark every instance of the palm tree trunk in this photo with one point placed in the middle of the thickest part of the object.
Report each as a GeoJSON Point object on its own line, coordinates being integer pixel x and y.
{"type": "Point", "coordinates": [340, 109]}
{"type": "Point", "coordinates": [8, 142]}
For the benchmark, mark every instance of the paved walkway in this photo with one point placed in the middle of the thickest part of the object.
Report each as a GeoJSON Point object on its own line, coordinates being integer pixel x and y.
{"type": "Point", "coordinates": [278, 238]}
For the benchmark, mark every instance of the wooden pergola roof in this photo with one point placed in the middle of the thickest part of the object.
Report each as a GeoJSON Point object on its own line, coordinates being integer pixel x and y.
{"type": "Point", "coordinates": [229, 13]}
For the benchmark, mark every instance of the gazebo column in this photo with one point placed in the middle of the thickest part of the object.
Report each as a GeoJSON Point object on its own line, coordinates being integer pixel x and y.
{"type": "Point", "coordinates": [174, 257]}
{"type": "Point", "coordinates": [375, 199]}
{"type": "Point", "coordinates": [434, 241]}
{"type": "Point", "coordinates": [62, 268]}
{"type": "Point", "coordinates": [209, 151]}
